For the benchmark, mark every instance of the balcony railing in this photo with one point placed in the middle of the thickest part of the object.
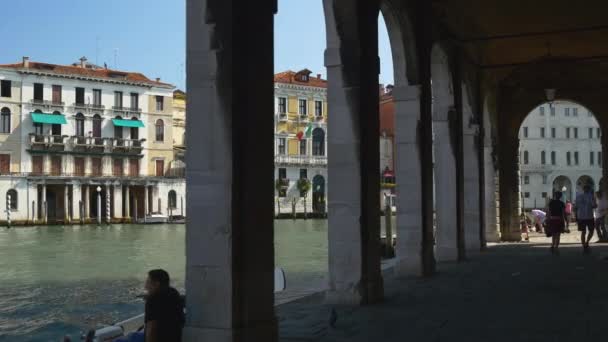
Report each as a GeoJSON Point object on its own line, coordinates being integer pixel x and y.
{"type": "Point", "coordinates": [42, 142]}
{"type": "Point", "coordinates": [127, 110]}
{"type": "Point", "coordinates": [48, 142]}
{"type": "Point", "coordinates": [282, 117]}
{"type": "Point", "coordinates": [88, 106]}
{"type": "Point", "coordinates": [300, 160]}
{"type": "Point", "coordinates": [45, 104]}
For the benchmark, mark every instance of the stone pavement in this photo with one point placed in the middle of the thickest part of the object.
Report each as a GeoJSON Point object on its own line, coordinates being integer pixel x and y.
{"type": "Point", "coordinates": [511, 292]}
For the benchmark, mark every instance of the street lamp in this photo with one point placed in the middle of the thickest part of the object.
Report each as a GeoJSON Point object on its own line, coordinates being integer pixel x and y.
{"type": "Point", "coordinates": [98, 205]}
{"type": "Point", "coordinates": [564, 193]}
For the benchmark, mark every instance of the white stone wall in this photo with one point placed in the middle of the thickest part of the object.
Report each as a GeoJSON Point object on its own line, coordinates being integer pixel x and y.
{"type": "Point", "coordinates": [284, 204]}
{"type": "Point", "coordinates": [561, 144]}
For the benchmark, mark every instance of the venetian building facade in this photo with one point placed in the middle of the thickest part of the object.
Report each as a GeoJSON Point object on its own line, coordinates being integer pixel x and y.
{"type": "Point", "coordinates": [75, 136]}
{"type": "Point", "coordinates": [560, 150]}
{"type": "Point", "coordinates": [300, 142]}
{"type": "Point", "coordinates": [179, 126]}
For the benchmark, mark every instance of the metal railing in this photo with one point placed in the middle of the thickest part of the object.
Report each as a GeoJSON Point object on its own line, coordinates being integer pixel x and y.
{"type": "Point", "coordinates": [300, 160]}
{"type": "Point", "coordinates": [89, 106]}
{"type": "Point", "coordinates": [79, 143]}
{"type": "Point", "coordinates": [46, 103]}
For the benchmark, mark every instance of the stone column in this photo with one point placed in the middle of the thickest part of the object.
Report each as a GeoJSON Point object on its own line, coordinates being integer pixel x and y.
{"type": "Point", "coordinates": [472, 207]}
{"type": "Point", "coordinates": [87, 198]}
{"type": "Point", "coordinates": [491, 196]}
{"type": "Point", "coordinates": [44, 206]}
{"type": "Point", "coordinates": [510, 189]}
{"type": "Point", "coordinates": [445, 188]}
{"type": "Point", "coordinates": [66, 203]}
{"type": "Point", "coordinates": [146, 200]}
{"type": "Point", "coordinates": [76, 199]}
{"type": "Point", "coordinates": [117, 201]}
{"type": "Point", "coordinates": [408, 175]}
{"type": "Point", "coordinates": [351, 59]}
{"type": "Point", "coordinates": [127, 202]}
{"type": "Point", "coordinates": [229, 265]}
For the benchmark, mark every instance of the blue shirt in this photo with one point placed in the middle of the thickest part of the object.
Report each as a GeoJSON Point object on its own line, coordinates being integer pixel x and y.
{"type": "Point", "coordinates": [584, 206]}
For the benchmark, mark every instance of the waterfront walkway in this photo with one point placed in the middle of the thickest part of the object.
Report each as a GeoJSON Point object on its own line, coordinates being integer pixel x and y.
{"type": "Point", "coordinates": [511, 292]}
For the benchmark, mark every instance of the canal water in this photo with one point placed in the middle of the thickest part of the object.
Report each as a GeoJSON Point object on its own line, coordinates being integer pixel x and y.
{"type": "Point", "coordinates": [64, 280]}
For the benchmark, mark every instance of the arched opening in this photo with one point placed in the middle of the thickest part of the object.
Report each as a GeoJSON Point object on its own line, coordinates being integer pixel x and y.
{"type": "Point", "coordinates": [318, 142]}
{"type": "Point", "coordinates": [160, 130]}
{"type": "Point", "coordinates": [134, 131]}
{"type": "Point", "coordinates": [318, 194]}
{"type": "Point", "coordinates": [56, 129]}
{"type": "Point", "coordinates": [118, 130]}
{"type": "Point", "coordinates": [172, 200]}
{"type": "Point", "coordinates": [79, 125]}
{"type": "Point", "coordinates": [97, 122]}
{"type": "Point", "coordinates": [12, 199]}
{"type": "Point", "coordinates": [5, 120]}
{"type": "Point", "coordinates": [558, 141]}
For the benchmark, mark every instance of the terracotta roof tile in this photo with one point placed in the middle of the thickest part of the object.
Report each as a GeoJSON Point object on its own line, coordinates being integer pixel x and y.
{"type": "Point", "coordinates": [87, 72]}
{"type": "Point", "coordinates": [289, 78]}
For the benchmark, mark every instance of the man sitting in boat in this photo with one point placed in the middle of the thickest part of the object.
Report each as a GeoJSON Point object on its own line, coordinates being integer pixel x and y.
{"type": "Point", "coordinates": [164, 316]}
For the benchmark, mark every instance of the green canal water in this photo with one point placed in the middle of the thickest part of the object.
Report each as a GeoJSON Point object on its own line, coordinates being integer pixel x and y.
{"type": "Point", "coordinates": [64, 280]}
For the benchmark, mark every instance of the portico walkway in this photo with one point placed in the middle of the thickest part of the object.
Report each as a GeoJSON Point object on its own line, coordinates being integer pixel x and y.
{"type": "Point", "coordinates": [512, 292]}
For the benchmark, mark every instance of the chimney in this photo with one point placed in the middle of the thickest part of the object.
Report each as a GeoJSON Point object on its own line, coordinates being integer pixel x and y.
{"type": "Point", "coordinates": [319, 76]}
{"type": "Point", "coordinates": [26, 62]}
{"type": "Point", "coordinates": [158, 79]}
{"type": "Point", "coordinates": [83, 62]}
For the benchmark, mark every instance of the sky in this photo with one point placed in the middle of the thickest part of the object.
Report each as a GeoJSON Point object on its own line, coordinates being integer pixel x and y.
{"type": "Point", "coordinates": [148, 36]}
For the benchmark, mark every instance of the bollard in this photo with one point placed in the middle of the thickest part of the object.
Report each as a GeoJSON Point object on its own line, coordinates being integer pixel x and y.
{"type": "Point", "coordinates": [8, 211]}
{"type": "Point", "coordinates": [388, 215]}
{"type": "Point", "coordinates": [108, 207]}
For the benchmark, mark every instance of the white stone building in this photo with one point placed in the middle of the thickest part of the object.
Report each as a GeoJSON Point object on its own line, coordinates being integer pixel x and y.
{"type": "Point", "coordinates": [560, 150]}
{"type": "Point", "coordinates": [69, 130]}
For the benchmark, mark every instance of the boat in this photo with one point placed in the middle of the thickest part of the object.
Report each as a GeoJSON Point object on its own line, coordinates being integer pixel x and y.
{"type": "Point", "coordinates": [134, 324]}
{"type": "Point", "coordinates": [154, 218]}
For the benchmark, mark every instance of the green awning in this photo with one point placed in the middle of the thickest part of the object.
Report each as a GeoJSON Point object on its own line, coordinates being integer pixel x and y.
{"type": "Point", "coordinates": [51, 119]}
{"type": "Point", "coordinates": [127, 123]}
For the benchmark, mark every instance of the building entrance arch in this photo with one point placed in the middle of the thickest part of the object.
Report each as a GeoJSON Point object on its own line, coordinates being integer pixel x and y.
{"type": "Point", "coordinates": [318, 194]}
{"type": "Point", "coordinates": [564, 185]}
{"type": "Point", "coordinates": [583, 181]}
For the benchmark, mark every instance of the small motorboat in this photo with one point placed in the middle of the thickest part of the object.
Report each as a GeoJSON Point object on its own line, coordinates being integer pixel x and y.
{"type": "Point", "coordinates": [155, 218]}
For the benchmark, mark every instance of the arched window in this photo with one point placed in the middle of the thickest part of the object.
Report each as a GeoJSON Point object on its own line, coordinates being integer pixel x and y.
{"type": "Point", "coordinates": [5, 126]}
{"type": "Point", "coordinates": [318, 142]}
{"type": "Point", "coordinates": [160, 130]}
{"type": "Point", "coordinates": [172, 199]}
{"type": "Point", "coordinates": [526, 157]}
{"type": "Point", "coordinates": [134, 131]}
{"type": "Point", "coordinates": [11, 196]}
{"type": "Point", "coordinates": [118, 129]}
{"type": "Point", "coordinates": [543, 158]}
{"type": "Point", "coordinates": [56, 129]}
{"type": "Point", "coordinates": [97, 126]}
{"type": "Point", "coordinates": [79, 125]}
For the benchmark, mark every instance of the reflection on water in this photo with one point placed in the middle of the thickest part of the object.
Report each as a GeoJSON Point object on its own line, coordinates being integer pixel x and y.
{"type": "Point", "coordinates": [64, 280]}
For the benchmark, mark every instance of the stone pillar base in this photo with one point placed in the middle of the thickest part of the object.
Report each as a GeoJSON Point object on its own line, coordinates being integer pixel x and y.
{"type": "Point", "coordinates": [261, 333]}
{"type": "Point", "coordinates": [511, 237]}
{"type": "Point", "coordinates": [492, 236]}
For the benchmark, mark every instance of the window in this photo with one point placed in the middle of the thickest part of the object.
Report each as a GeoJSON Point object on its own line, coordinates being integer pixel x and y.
{"type": "Point", "coordinates": [553, 132]}
{"type": "Point", "coordinates": [541, 110]}
{"type": "Point", "coordinates": [56, 94]}
{"type": "Point", "coordinates": [303, 105]}
{"type": "Point", "coordinates": [544, 179]}
{"type": "Point", "coordinates": [598, 133]}
{"type": "Point", "coordinates": [544, 195]}
{"type": "Point", "coordinates": [56, 165]}
{"type": "Point", "coordinates": [526, 179]}
{"type": "Point", "coordinates": [37, 165]}
{"type": "Point", "coordinates": [318, 142]}
{"type": "Point", "coordinates": [599, 158]}
{"type": "Point", "coordinates": [172, 200]}
{"type": "Point", "coordinates": [526, 194]}
{"type": "Point", "coordinates": [591, 158]}
{"type": "Point", "coordinates": [134, 167]}
{"type": "Point", "coordinates": [118, 99]}
{"type": "Point", "coordinates": [590, 132]}
{"type": "Point", "coordinates": [134, 131]}
{"type": "Point", "coordinates": [79, 125]}
{"type": "Point", "coordinates": [282, 105]}
{"type": "Point", "coordinates": [160, 103]}
{"type": "Point", "coordinates": [96, 166]}
{"type": "Point", "coordinates": [11, 199]}
{"type": "Point", "coordinates": [160, 130]}
{"type": "Point", "coordinates": [118, 130]}
{"type": "Point", "coordinates": [552, 157]}
{"type": "Point", "coordinates": [283, 178]}
{"type": "Point", "coordinates": [576, 158]}
{"type": "Point", "coordinates": [543, 158]}
{"type": "Point", "coordinates": [38, 128]}
{"type": "Point", "coordinates": [97, 97]}
{"type": "Point", "coordinates": [281, 146]}
{"type": "Point", "coordinates": [5, 88]}
{"type": "Point", "coordinates": [5, 164]}
{"type": "Point", "coordinates": [552, 111]}
{"type": "Point", "coordinates": [79, 166]}
{"type": "Point", "coordinates": [542, 132]}
{"type": "Point", "coordinates": [574, 111]}
{"type": "Point", "coordinates": [97, 126]}
{"type": "Point", "coordinates": [525, 132]}
{"type": "Point", "coordinates": [526, 157]}
{"type": "Point", "coordinates": [303, 173]}
{"type": "Point", "coordinates": [117, 167]}
{"type": "Point", "coordinates": [282, 173]}
{"type": "Point", "coordinates": [160, 168]}
{"type": "Point", "coordinates": [318, 108]}
{"type": "Point", "coordinates": [134, 100]}
{"type": "Point", "coordinates": [568, 162]}
{"type": "Point", "coordinates": [567, 111]}
{"type": "Point", "coordinates": [38, 92]}
{"type": "Point", "coordinates": [79, 95]}
{"type": "Point", "coordinates": [303, 147]}
{"type": "Point", "coordinates": [5, 116]}
{"type": "Point", "coordinates": [575, 132]}
{"type": "Point", "coordinates": [567, 132]}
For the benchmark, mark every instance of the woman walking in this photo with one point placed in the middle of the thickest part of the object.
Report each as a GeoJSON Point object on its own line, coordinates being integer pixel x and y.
{"type": "Point", "coordinates": [556, 221]}
{"type": "Point", "coordinates": [600, 214]}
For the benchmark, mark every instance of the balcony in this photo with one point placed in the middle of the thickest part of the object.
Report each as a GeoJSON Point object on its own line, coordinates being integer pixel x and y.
{"type": "Point", "coordinates": [130, 146]}
{"type": "Point", "coordinates": [47, 105]}
{"type": "Point", "coordinates": [303, 117]}
{"type": "Point", "coordinates": [282, 117]}
{"type": "Point", "coordinates": [127, 111]}
{"type": "Point", "coordinates": [301, 160]}
{"type": "Point", "coordinates": [45, 142]}
{"type": "Point", "coordinates": [88, 107]}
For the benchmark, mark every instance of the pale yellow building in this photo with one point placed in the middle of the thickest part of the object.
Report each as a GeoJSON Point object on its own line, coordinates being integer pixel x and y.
{"type": "Point", "coordinates": [160, 135]}
{"type": "Point", "coordinates": [179, 125]}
